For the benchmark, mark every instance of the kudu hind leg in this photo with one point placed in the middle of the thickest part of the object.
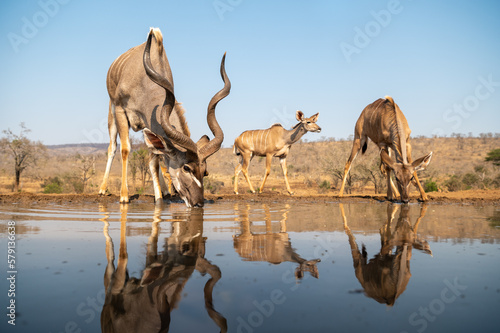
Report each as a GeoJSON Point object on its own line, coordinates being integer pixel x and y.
{"type": "Point", "coordinates": [237, 171]}
{"type": "Point", "coordinates": [113, 132]}
{"type": "Point", "coordinates": [245, 162]}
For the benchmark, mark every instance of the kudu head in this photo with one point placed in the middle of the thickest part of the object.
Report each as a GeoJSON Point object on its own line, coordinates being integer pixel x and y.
{"type": "Point", "coordinates": [403, 172]}
{"type": "Point", "coordinates": [308, 123]}
{"type": "Point", "coordinates": [185, 159]}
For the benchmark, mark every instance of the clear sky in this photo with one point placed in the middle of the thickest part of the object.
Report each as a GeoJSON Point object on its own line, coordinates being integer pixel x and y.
{"type": "Point", "coordinates": [440, 60]}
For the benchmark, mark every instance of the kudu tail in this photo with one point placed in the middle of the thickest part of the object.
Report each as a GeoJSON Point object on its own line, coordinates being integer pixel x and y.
{"type": "Point", "coordinates": [236, 151]}
{"type": "Point", "coordinates": [365, 146]}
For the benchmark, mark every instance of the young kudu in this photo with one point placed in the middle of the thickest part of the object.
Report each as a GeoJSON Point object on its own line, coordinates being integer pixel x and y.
{"type": "Point", "coordinates": [272, 142]}
{"type": "Point", "coordinates": [385, 124]}
{"type": "Point", "coordinates": [141, 92]}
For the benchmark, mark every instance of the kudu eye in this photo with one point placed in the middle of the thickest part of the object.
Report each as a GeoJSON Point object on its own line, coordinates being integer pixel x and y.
{"type": "Point", "coordinates": [186, 168]}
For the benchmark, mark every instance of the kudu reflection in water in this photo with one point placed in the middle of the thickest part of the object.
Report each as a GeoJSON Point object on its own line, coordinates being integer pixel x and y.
{"type": "Point", "coordinates": [385, 277]}
{"type": "Point", "coordinates": [273, 247]}
{"type": "Point", "coordinates": [145, 304]}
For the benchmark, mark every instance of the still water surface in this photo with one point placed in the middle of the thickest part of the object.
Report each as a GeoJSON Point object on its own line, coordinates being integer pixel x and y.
{"type": "Point", "coordinates": [253, 267]}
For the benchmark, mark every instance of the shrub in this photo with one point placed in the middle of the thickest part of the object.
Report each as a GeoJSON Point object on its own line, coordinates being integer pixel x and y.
{"type": "Point", "coordinates": [493, 156]}
{"type": "Point", "coordinates": [496, 181]}
{"type": "Point", "coordinates": [325, 185]}
{"type": "Point", "coordinates": [470, 180]}
{"type": "Point", "coordinates": [430, 186]}
{"type": "Point", "coordinates": [453, 183]}
{"type": "Point", "coordinates": [52, 185]}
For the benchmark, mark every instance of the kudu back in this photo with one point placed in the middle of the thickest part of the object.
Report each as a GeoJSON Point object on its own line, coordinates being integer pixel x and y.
{"type": "Point", "coordinates": [141, 91]}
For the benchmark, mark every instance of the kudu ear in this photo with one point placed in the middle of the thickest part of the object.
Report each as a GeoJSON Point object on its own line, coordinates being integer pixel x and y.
{"type": "Point", "coordinates": [203, 141]}
{"type": "Point", "coordinates": [314, 118]}
{"type": "Point", "coordinates": [299, 115]}
{"type": "Point", "coordinates": [155, 142]}
{"type": "Point", "coordinates": [422, 162]}
{"type": "Point", "coordinates": [386, 159]}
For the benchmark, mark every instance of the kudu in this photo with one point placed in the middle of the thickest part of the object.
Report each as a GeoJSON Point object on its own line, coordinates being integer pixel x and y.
{"type": "Point", "coordinates": [146, 304]}
{"type": "Point", "coordinates": [272, 142]}
{"type": "Point", "coordinates": [385, 277]}
{"type": "Point", "coordinates": [141, 91]}
{"type": "Point", "coordinates": [385, 124]}
{"type": "Point", "coordinates": [273, 247]}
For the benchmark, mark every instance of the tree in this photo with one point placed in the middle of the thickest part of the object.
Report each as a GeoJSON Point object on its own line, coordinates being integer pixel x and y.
{"type": "Point", "coordinates": [86, 164]}
{"type": "Point", "coordinates": [494, 156]}
{"type": "Point", "coordinates": [26, 153]}
{"type": "Point", "coordinates": [139, 162]}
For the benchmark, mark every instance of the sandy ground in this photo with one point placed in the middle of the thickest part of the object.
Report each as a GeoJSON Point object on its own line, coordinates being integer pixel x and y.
{"type": "Point", "coordinates": [462, 197]}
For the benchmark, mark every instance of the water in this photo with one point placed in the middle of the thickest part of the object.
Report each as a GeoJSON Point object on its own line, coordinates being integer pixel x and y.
{"type": "Point", "coordinates": [251, 267]}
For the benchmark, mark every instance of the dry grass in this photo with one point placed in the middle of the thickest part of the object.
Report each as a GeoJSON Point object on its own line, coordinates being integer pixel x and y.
{"type": "Point", "coordinates": [310, 165]}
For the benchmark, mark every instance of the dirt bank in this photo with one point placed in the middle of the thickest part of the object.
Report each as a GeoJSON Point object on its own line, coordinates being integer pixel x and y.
{"type": "Point", "coordinates": [478, 197]}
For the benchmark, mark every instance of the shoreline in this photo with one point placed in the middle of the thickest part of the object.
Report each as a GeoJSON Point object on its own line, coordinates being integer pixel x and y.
{"type": "Point", "coordinates": [472, 197]}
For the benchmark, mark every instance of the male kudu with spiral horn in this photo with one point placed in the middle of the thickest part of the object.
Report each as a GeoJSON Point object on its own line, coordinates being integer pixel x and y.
{"type": "Point", "coordinates": [141, 91]}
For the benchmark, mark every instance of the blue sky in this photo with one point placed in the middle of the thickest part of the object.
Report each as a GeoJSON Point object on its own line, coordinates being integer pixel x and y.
{"type": "Point", "coordinates": [439, 60]}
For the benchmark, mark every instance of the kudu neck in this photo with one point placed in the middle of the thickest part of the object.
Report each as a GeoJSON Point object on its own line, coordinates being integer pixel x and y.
{"type": "Point", "coordinates": [295, 133]}
{"type": "Point", "coordinates": [399, 150]}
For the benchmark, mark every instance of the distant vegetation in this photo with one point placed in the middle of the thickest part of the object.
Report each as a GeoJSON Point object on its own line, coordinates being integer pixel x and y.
{"type": "Point", "coordinates": [459, 163]}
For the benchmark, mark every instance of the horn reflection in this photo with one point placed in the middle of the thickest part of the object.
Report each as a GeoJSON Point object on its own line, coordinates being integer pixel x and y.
{"type": "Point", "coordinates": [145, 304]}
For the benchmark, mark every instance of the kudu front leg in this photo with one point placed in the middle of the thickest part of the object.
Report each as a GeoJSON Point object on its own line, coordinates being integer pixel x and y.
{"type": "Point", "coordinates": [415, 180]}
{"type": "Point", "coordinates": [154, 165]}
{"type": "Point", "coordinates": [113, 132]}
{"type": "Point", "coordinates": [356, 146]}
{"type": "Point", "coordinates": [285, 174]}
{"type": "Point", "coordinates": [392, 191]}
{"type": "Point", "coordinates": [243, 167]}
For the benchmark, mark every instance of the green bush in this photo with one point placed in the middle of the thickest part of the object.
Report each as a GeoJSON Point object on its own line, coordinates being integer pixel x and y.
{"type": "Point", "coordinates": [325, 185]}
{"type": "Point", "coordinates": [430, 186]}
{"type": "Point", "coordinates": [493, 156]}
{"type": "Point", "coordinates": [52, 185]}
